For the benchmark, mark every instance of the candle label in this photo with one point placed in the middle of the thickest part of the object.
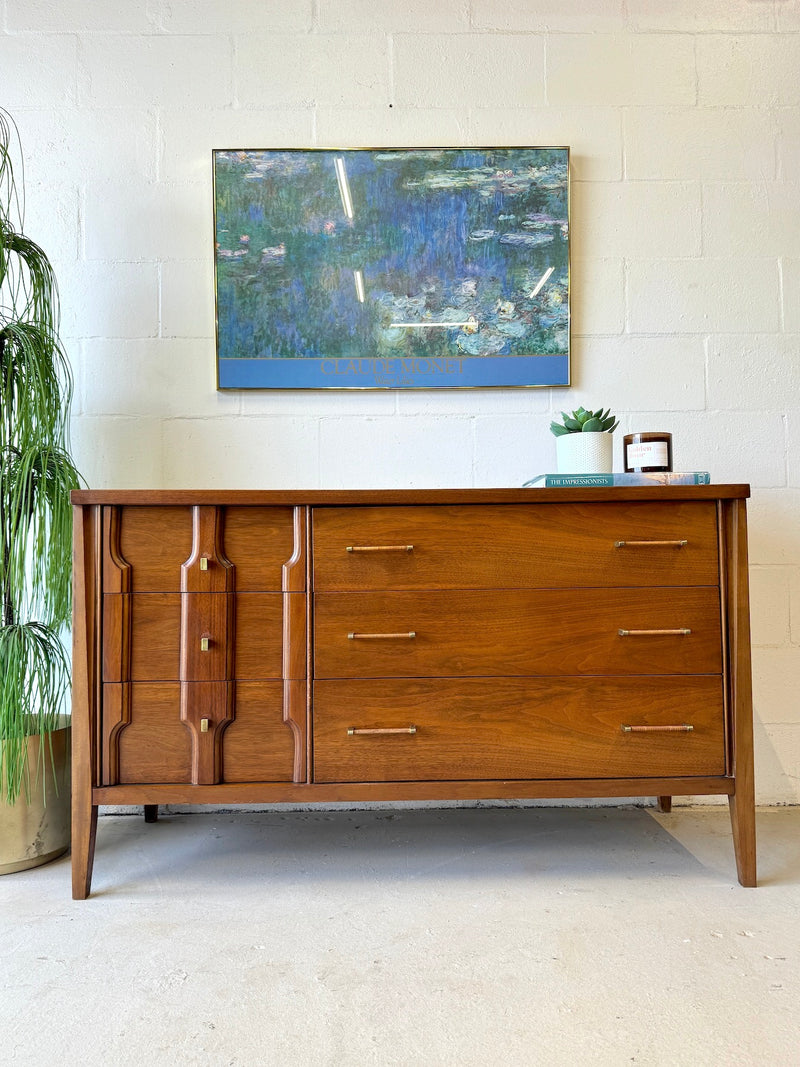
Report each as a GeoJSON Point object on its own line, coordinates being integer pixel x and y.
{"type": "Point", "coordinates": [647, 454]}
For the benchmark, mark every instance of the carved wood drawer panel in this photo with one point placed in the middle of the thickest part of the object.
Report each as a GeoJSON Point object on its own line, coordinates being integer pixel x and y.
{"type": "Point", "coordinates": [156, 746]}
{"type": "Point", "coordinates": [154, 543]}
{"type": "Point", "coordinates": [199, 604]}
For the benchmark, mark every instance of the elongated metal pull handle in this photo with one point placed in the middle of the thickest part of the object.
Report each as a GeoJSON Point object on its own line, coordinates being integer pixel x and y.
{"type": "Point", "coordinates": [379, 548]}
{"type": "Point", "coordinates": [355, 731]}
{"type": "Point", "coordinates": [382, 637]}
{"type": "Point", "coordinates": [204, 641]}
{"type": "Point", "coordinates": [683, 728]}
{"type": "Point", "coordinates": [682, 631]}
{"type": "Point", "coordinates": [204, 726]}
{"type": "Point", "coordinates": [650, 544]}
{"type": "Point", "coordinates": [204, 563]}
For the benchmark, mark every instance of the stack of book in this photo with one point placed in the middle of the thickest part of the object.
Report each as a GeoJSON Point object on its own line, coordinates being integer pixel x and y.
{"type": "Point", "coordinates": [563, 481]}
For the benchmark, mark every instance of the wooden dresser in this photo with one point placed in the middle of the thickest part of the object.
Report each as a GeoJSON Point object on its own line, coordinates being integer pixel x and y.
{"type": "Point", "coordinates": [240, 647]}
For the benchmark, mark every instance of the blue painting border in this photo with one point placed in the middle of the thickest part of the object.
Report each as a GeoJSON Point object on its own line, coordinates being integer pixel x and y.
{"type": "Point", "coordinates": [372, 373]}
{"type": "Point", "coordinates": [443, 366]}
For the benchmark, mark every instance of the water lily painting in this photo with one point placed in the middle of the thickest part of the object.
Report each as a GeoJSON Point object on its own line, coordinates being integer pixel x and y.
{"type": "Point", "coordinates": [392, 268]}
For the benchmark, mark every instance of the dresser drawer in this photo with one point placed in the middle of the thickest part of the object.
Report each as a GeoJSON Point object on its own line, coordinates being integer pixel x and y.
{"type": "Point", "coordinates": [148, 646]}
{"type": "Point", "coordinates": [150, 544]}
{"type": "Point", "coordinates": [155, 745]}
{"type": "Point", "coordinates": [517, 632]}
{"type": "Point", "coordinates": [472, 729]}
{"type": "Point", "coordinates": [523, 546]}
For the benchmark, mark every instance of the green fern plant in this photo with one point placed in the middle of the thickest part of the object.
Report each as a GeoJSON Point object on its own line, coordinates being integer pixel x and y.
{"type": "Point", "coordinates": [583, 421]}
{"type": "Point", "coordinates": [36, 477]}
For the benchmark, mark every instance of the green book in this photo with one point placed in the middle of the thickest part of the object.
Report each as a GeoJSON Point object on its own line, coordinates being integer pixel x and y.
{"type": "Point", "coordinates": [562, 481]}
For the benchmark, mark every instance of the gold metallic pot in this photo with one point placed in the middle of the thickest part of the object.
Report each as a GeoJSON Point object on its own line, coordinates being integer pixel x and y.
{"type": "Point", "coordinates": [36, 829]}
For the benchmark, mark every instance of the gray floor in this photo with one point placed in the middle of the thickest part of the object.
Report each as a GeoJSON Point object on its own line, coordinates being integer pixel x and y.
{"type": "Point", "coordinates": [412, 937]}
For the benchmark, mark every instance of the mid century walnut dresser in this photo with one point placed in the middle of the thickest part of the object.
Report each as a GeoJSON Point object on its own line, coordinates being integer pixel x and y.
{"type": "Point", "coordinates": [240, 647]}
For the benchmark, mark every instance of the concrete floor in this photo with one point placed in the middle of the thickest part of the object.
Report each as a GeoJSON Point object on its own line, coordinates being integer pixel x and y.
{"type": "Point", "coordinates": [455, 937]}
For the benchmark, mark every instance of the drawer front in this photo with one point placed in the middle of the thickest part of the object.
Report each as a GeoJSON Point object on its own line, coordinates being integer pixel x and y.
{"type": "Point", "coordinates": [150, 544]}
{"type": "Point", "coordinates": [146, 741]}
{"type": "Point", "coordinates": [153, 745]}
{"type": "Point", "coordinates": [153, 636]}
{"type": "Point", "coordinates": [258, 746]}
{"type": "Point", "coordinates": [258, 541]}
{"type": "Point", "coordinates": [473, 729]}
{"type": "Point", "coordinates": [517, 632]}
{"type": "Point", "coordinates": [207, 629]}
{"type": "Point", "coordinates": [519, 546]}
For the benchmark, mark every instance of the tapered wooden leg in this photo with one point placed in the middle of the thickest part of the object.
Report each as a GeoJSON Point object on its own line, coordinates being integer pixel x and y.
{"type": "Point", "coordinates": [743, 824]}
{"type": "Point", "coordinates": [743, 800]}
{"type": "Point", "coordinates": [664, 804]}
{"type": "Point", "coordinates": [84, 834]}
{"type": "Point", "coordinates": [151, 813]}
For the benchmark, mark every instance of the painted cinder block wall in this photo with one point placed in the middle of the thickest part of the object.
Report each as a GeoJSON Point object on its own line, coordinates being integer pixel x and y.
{"type": "Point", "coordinates": [684, 124]}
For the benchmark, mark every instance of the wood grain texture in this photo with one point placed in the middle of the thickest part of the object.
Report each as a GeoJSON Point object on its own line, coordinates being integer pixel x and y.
{"type": "Point", "coordinates": [351, 792]}
{"type": "Point", "coordinates": [116, 717]}
{"type": "Point", "coordinates": [116, 569]}
{"type": "Point", "coordinates": [207, 710]}
{"type": "Point", "coordinates": [742, 801]}
{"type": "Point", "coordinates": [155, 630]}
{"type": "Point", "coordinates": [259, 745]}
{"type": "Point", "coordinates": [514, 547]}
{"type": "Point", "coordinates": [516, 632]}
{"type": "Point", "coordinates": [260, 542]}
{"type": "Point", "coordinates": [209, 618]}
{"type": "Point", "coordinates": [156, 746]}
{"type": "Point", "coordinates": [155, 542]}
{"type": "Point", "coordinates": [515, 728]}
{"type": "Point", "coordinates": [208, 569]}
{"type": "Point", "coordinates": [86, 544]}
{"type": "Point", "coordinates": [295, 569]}
{"type": "Point", "coordinates": [117, 634]}
{"type": "Point", "coordinates": [259, 643]}
{"type": "Point", "coordinates": [383, 497]}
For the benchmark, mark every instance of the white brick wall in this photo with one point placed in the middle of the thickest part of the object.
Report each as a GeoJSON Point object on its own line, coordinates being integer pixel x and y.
{"type": "Point", "coordinates": [684, 123]}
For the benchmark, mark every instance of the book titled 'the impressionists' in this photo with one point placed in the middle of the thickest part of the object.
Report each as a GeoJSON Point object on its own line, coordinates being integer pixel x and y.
{"type": "Point", "coordinates": [563, 481]}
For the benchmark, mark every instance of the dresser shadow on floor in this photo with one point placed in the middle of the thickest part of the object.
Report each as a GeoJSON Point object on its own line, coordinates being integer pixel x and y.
{"type": "Point", "coordinates": [425, 845]}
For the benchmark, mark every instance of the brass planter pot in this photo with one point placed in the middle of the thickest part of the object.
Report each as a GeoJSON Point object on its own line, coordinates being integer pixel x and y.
{"type": "Point", "coordinates": [36, 830]}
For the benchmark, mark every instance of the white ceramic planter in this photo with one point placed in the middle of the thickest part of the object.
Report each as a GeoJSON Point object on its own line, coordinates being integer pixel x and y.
{"type": "Point", "coordinates": [585, 453]}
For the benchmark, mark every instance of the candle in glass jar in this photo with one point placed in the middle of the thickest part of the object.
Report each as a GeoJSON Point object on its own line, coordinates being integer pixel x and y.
{"type": "Point", "coordinates": [648, 452]}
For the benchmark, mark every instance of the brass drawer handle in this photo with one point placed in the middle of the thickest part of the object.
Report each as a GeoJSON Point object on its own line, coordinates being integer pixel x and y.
{"type": "Point", "coordinates": [355, 731]}
{"type": "Point", "coordinates": [684, 728]}
{"type": "Point", "coordinates": [379, 548]}
{"type": "Point", "coordinates": [204, 726]}
{"type": "Point", "coordinates": [650, 544]}
{"type": "Point", "coordinates": [682, 631]}
{"type": "Point", "coordinates": [204, 643]}
{"type": "Point", "coordinates": [381, 637]}
{"type": "Point", "coordinates": [204, 563]}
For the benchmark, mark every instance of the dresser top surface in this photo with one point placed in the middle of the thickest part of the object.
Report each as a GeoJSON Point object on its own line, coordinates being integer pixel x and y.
{"type": "Point", "coordinates": [375, 497]}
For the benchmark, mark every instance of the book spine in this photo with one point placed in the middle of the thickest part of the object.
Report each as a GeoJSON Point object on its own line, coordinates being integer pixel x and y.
{"type": "Point", "coordinates": [561, 481]}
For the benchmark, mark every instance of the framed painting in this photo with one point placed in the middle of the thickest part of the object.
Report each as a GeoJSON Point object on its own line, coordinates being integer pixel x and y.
{"type": "Point", "coordinates": [392, 268]}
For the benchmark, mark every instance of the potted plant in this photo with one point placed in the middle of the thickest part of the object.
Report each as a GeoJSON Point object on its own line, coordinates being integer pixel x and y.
{"type": "Point", "coordinates": [584, 444]}
{"type": "Point", "coordinates": [36, 477]}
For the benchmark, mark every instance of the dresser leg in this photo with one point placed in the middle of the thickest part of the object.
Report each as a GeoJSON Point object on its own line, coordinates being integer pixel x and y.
{"type": "Point", "coordinates": [743, 824]}
{"type": "Point", "coordinates": [664, 804]}
{"type": "Point", "coordinates": [151, 813]}
{"type": "Point", "coordinates": [84, 834]}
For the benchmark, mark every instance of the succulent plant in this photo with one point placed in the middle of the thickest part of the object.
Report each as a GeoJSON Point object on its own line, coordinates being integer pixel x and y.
{"type": "Point", "coordinates": [583, 421]}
